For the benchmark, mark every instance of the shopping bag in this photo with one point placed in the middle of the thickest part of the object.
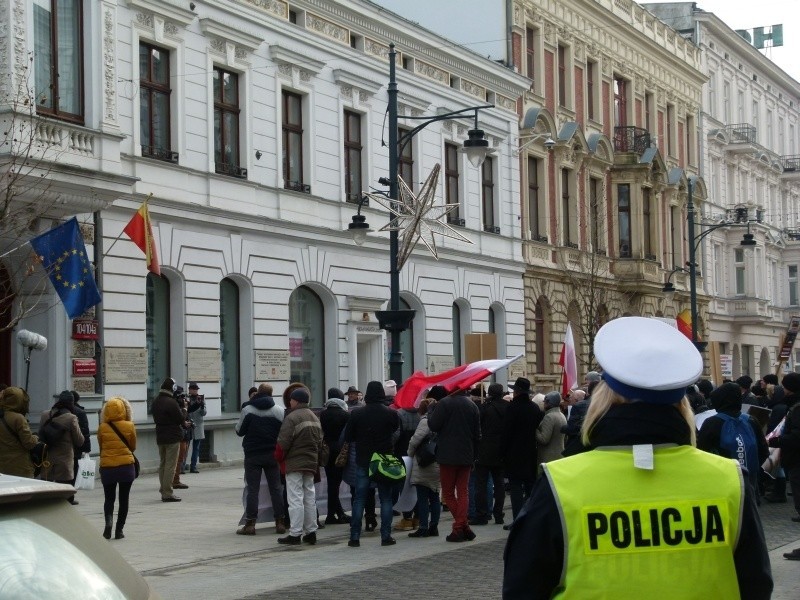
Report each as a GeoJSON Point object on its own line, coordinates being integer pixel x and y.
{"type": "Point", "coordinates": [85, 475]}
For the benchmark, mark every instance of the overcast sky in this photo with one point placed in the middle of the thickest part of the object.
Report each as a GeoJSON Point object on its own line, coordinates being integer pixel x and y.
{"type": "Point", "coordinates": [746, 14]}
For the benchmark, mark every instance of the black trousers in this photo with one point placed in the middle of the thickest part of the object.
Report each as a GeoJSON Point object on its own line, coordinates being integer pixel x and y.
{"type": "Point", "coordinates": [482, 508]}
{"type": "Point", "coordinates": [110, 493]}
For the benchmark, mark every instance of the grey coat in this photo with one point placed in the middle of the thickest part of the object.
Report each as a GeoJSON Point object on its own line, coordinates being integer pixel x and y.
{"type": "Point", "coordinates": [197, 413]}
{"type": "Point", "coordinates": [60, 454]}
{"type": "Point", "coordinates": [427, 476]}
{"type": "Point", "coordinates": [549, 436]}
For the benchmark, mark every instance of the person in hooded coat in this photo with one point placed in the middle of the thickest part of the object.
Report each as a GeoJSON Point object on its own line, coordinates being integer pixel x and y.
{"type": "Point", "coordinates": [116, 460]}
{"type": "Point", "coordinates": [333, 420]}
{"type": "Point", "coordinates": [61, 448]}
{"type": "Point", "coordinates": [16, 438]}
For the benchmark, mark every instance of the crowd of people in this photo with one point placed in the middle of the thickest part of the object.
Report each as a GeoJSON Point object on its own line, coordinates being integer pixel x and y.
{"type": "Point", "coordinates": [468, 449]}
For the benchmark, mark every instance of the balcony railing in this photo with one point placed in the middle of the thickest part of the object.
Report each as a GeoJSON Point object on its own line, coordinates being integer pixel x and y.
{"type": "Point", "coordinates": [790, 163]}
{"type": "Point", "coordinates": [741, 133]}
{"type": "Point", "coordinates": [299, 186]}
{"type": "Point", "coordinates": [491, 229]}
{"type": "Point", "coordinates": [232, 170]}
{"type": "Point", "coordinates": [160, 154]}
{"type": "Point", "coordinates": [456, 221]}
{"type": "Point", "coordinates": [793, 233]}
{"type": "Point", "coordinates": [631, 139]}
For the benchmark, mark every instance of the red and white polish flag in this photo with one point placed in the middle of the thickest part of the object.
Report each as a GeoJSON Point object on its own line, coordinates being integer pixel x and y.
{"type": "Point", "coordinates": [569, 363]}
{"type": "Point", "coordinates": [413, 390]}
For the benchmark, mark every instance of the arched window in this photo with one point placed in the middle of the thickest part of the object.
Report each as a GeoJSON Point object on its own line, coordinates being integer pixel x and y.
{"type": "Point", "coordinates": [456, 322]}
{"type": "Point", "coordinates": [157, 334]}
{"type": "Point", "coordinates": [407, 344]}
{"type": "Point", "coordinates": [307, 341]}
{"type": "Point", "coordinates": [540, 341]}
{"type": "Point", "coordinates": [229, 321]}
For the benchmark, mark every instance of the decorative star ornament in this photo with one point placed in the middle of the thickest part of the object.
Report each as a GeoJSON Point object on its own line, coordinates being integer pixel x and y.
{"type": "Point", "coordinates": [416, 218]}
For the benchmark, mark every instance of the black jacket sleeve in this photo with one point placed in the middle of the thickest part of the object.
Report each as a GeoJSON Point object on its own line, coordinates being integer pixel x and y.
{"type": "Point", "coordinates": [534, 554]}
{"type": "Point", "coordinates": [750, 556]}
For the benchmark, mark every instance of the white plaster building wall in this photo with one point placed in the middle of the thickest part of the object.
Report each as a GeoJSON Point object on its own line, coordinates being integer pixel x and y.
{"type": "Point", "coordinates": [271, 240]}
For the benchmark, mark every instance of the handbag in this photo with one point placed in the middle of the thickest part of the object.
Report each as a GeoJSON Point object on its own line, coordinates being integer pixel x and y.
{"type": "Point", "coordinates": [426, 452]}
{"type": "Point", "coordinates": [136, 467]}
{"type": "Point", "coordinates": [341, 458]}
{"type": "Point", "coordinates": [324, 454]}
{"type": "Point", "coordinates": [38, 454]}
{"type": "Point", "coordinates": [84, 478]}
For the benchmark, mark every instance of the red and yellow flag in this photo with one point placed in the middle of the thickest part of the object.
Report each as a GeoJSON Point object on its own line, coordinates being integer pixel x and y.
{"type": "Point", "coordinates": [141, 232]}
{"type": "Point", "coordinates": [684, 321]}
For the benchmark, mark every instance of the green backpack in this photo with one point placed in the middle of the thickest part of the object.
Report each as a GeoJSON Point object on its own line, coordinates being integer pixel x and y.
{"type": "Point", "coordinates": [385, 468]}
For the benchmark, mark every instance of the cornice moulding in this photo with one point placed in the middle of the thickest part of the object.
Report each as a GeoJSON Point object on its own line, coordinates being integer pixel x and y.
{"type": "Point", "coordinates": [213, 27]}
{"type": "Point", "coordinates": [341, 76]}
{"type": "Point", "coordinates": [166, 10]}
{"type": "Point", "coordinates": [284, 55]}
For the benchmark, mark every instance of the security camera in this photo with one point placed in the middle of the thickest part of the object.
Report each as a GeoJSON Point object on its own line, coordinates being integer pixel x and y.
{"type": "Point", "coordinates": [549, 143]}
{"type": "Point", "coordinates": [34, 341]}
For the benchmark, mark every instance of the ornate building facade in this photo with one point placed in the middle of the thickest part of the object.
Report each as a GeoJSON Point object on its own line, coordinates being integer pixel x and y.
{"type": "Point", "coordinates": [253, 127]}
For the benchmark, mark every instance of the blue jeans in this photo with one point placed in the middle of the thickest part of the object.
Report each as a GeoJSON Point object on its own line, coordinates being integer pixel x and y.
{"type": "Point", "coordinates": [473, 506]}
{"type": "Point", "coordinates": [428, 503]}
{"type": "Point", "coordinates": [196, 452]}
{"type": "Point", "coordinates": [388, 494]}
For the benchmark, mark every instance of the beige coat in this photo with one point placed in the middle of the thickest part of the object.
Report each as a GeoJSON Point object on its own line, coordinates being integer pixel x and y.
{"type": "Point", "coordinates": [61, 453]}
{"type": "Point", "coordinates": [427, 476]}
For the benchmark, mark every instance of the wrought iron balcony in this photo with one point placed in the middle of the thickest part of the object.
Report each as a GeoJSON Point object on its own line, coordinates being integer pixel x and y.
{"type": "Point", "coordinates": [299, 186]}
{"type": "Point", "coordinates": [232, 170]}
{"type": "Point", "coordinates": [160, 154]}
{"type": "Point", "coordinates": [741, 133]}
{"type": "Point", "coordinates": [631, 139]}
{"type": "Point", "coordinates": [790, 164]}
{"type": "Point", "coordinates": [491, 229]}
{"type": "Point", "coordinates": [456, 221]}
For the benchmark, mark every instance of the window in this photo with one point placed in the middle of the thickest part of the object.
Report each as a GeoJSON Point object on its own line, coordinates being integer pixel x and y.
{"type": "Point", "coordinates": [792, 285]}
{"type": "Point", "coordinates": [726, 101]}
{"type": "Point", "coordinates": [648, 111]}
{"type": "Point", "coordinates": [536, 220]}
{"type": "Point", "coordinates": [591, 76]}
{"type": "Point", "coordinates": [307, 342]}
{"type": "Point", "coordinates": [719, 284]}
{"type": "Point", "coordinates": [620, 102]}
{"type": "Point", "coordinates": [487, 195]}
{"type": "Point", "coordinates": [456, 326]}
{"type": "Point", "coordinates": [738, 258]}
{"type": "Point", "coordinates": [670, 130]}
{"type": "Point", "coordinates": [407, 344]}
{"type": "Point", "coordinates": [530, 53]}
{"type": "Point", "coordinates": [781, 136]}
{"type": "Point", "coordinates": [568, 225]}
{"type": "Point", "coordinates": [712, 96]}
{"type": "Point", "coordinates": [154, 99]}
{"type": "Point", "coordinates": [740, 107]}
{"type": "Point", "coordinates": [624, 219]}
{"type": "Point", "coordinates": [352, 156]}
{"type": "Point", "coordinates": [770, 141]}
{"type": "Point", "coordinates": [690, 131]}
{"type": "Point", "coordinates": [226, 123]}
{"type": "Point", "coordinates": [755, 117]}
{"type": "Point", "coordinates": [562, 76]}
{"type": "Point", "coordinates": [647, 225]}
{"type": "Point", "coordinates": [157, 334]}
{"type": "Point", "coordinates": [675, 235]}
{"type": "Point", "coordinates": [58, 58]}
{"type": "Point", "coordinates": [451, 177]}
{"type": "Point", "coordinates": [596, 213]}
{"type": "Point", "coordinates": [229, 345]}
{"type": "Point", "coordinates": [539, 339]}
{"type": "Point", "coordinates": [292, 129]}
{"type": "Point", "coordinates": [406, 166]}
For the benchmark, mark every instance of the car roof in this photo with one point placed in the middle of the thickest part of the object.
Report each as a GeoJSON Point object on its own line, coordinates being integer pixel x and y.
{"type": "Point", "coordinates": [20, 489]}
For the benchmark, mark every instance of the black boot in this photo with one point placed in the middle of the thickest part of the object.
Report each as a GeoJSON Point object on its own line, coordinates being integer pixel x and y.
{"type": "Point", "coordinates": [107, 530]}
{"type": "Point", "coordinates": [118, 535]}
{"type": "Point", "coordinates": [778, 491]}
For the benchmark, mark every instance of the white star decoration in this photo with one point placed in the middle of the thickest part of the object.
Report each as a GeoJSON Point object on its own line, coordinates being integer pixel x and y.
{"type": "Point", "coordinates": [416, 218]}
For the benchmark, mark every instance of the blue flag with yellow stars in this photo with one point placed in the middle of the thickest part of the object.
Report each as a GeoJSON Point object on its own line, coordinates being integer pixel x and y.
{"type": "Point", "coordinates": [63, 255]}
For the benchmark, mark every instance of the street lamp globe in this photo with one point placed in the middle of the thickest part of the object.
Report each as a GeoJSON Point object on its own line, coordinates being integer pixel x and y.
{"type": "Point", "coordinates": [476, 147]}
{"type": "Point", "coordinates": [668, 289]}
{"type": "Point", "coordinates": [359, 229]}
{"type": "Point", "coordinates": [748, 240]}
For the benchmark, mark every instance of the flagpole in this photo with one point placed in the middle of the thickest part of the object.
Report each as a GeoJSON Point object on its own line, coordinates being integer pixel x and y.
{"type": "Point", "coordinates": [116, 239]}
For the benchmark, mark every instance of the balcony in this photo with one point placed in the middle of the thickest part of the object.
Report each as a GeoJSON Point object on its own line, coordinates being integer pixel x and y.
{"type": "Point", "coordinates": [491, 229]}
{"type": "Point", "coordinates": [232, 170]}
{"type": "Point", "coordinates": [160, 154]}
{"type": "Point", "coordinates": [456, 221]}
{"type": "Point", "coordinates": [634, 271]}
{"type": "Point", "coordinates": [631, 139]}
{"type": "Point", "coordinates": [741, 133]}
{"type": "Point", "coordinates": [791, 167]}
{"type": "Point", "coordinates": [750, 310]}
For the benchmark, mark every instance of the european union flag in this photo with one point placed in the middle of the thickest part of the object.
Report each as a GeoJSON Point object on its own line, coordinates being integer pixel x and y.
{"type": "Point", "coordinates": [63, 255]}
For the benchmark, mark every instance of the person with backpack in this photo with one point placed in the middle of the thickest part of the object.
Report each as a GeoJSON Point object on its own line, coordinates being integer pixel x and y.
{"type": "Point", "coordinates": [425, 475]}
{"type": "Point", "coordinates": [60, 430]}
{"type": "Point", "coordinates": [732, 434]}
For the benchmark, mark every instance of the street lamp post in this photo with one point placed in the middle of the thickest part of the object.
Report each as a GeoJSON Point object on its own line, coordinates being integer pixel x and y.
{"type": "Point", "coordinates": [694, 242]}
{"type": "Point", "coordinates": [394, 320]}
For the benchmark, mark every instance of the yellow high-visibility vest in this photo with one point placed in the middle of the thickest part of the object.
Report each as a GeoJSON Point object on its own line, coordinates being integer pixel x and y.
{"type": "Point", "coordinates": [667, 533]}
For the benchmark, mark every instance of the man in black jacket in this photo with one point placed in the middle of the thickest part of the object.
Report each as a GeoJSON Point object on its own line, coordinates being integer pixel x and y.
{"type": "Point", "coordinates": [519, 444]}
{"type": "Point", "coordinates": [83, 424]}
{"type": "Point", "coordinates": [789, 443]}
{"type": "Point", "coordinates": [490, 457]}
{"type": "Point", "coordinates": [373, 428]}
{"type": "Point", "coordinates": [259, 424]}
{"type": "Point", "coordinates": [169, 421]}
{"type": "Point", "coordinates": [457, 421]}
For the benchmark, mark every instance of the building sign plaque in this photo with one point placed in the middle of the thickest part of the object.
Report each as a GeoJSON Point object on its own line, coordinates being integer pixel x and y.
{"type": "Point", "coordinates": [204, 364]}
{"type": "Point", "coordinates": [272, 365]}
{"type": "Point", "coordinates": [125, 365]}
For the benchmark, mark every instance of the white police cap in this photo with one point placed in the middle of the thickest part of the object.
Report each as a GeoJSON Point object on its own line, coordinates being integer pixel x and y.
{"type": "Point", "coordinates": [646, 359]}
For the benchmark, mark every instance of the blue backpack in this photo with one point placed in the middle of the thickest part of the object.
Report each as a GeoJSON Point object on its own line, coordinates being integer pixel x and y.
{"type": "Point", "coordinates": [738, 441]}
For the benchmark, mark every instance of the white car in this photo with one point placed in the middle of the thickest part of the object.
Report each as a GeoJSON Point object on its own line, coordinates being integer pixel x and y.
{"type": "Point", "coordinates": [50, 551]}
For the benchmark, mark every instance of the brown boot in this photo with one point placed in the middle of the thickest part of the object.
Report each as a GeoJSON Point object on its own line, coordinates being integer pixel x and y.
{"type": "Point", "coordinates": [280, 525]}
{"type": "Point", "coordinates": [249, 528]}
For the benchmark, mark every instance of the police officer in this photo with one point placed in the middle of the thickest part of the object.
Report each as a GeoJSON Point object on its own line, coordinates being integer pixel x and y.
{"type": "Point", "coordinates": [643, 514]}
